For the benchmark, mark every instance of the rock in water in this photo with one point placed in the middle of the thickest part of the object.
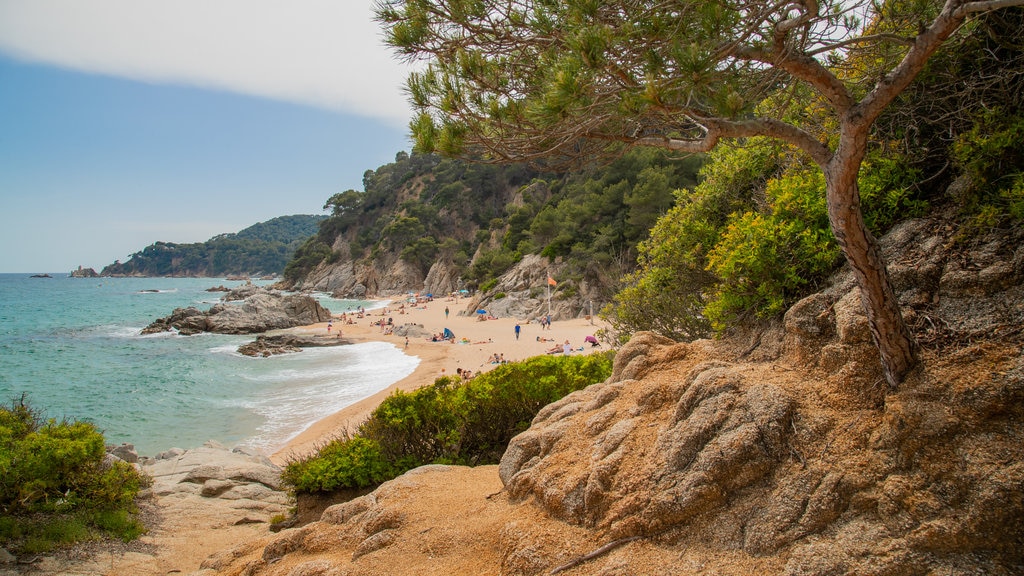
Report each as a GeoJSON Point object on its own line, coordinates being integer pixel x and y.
{"type": "Point", "coordinates": [260, 311]}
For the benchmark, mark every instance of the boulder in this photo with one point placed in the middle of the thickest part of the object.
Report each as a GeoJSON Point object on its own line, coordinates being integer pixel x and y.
{"type": "Point", "coordinates": [124, 452]}
{"type": "Point", "coordinates": [259, 311]}
{"type": "Point", "coordinates": [268, 345]}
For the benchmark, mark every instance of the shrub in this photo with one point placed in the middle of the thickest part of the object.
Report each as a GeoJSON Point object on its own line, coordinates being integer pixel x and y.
{"type": "Point", "coordinates": [447, 422]}
{"type": "Point", "coordinates": [53, 479]}
{"type": "Point", "coordinates": [348, 462]}
{"type": "Point", "coordinates": [764, 261]}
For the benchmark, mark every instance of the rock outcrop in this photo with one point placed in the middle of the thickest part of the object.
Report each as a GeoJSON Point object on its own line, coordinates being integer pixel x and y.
{"type": "Point", "coordinates": [286, 343]}
{"type": "Point", "coordinates": [259, 310]}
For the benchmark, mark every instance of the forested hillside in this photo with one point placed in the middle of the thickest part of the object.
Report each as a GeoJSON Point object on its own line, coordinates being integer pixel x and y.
{"type": "Point", "coordinates": [477, 220]}
{"type": "Point", "coordinates": [263, 248]}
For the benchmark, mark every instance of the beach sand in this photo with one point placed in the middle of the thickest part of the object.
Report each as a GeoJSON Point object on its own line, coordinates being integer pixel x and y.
{"type": "Point", "coordinates": [485, 338]}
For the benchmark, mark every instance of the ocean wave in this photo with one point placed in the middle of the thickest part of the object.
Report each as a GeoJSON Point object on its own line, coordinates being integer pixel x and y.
{"type": "Point", "coordinates": [122, 331]}
{"type": "Point", "coordinates": [306, 394]}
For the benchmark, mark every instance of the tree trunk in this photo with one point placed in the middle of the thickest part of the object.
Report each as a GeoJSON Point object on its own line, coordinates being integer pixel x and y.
{"type": "Point", "coordinates": [895, 343]}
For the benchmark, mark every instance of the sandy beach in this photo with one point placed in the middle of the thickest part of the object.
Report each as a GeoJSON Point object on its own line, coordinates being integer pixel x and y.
{"type": "Point", "coordinates": [477, 339]}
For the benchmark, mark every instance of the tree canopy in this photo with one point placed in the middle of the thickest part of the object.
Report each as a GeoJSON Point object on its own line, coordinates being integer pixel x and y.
{"type": "Point", "coordinates": [559, 81]}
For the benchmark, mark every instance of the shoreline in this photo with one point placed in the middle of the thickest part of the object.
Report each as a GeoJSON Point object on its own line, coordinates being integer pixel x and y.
{"type": "Point", "coordinates": [477, 341]}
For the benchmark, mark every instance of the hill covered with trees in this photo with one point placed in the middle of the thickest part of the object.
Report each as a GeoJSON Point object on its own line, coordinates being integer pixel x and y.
{"type": "Point", "coordinates": [260, 249]}
{"type": "Point", "coordinates": [437, 224]}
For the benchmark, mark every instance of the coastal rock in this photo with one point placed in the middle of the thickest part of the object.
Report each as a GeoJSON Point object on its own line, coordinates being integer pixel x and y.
{"type": "Point", "coordinates": [271, 344]}
{"type": "Point", "coordinates": [124, 452]}
{"type": "Point", "coordinates": [216, 472]}
{"type": "Point", "coordinates": [412, 331]}
{"type": "Point", "coordinates": [259, 311]}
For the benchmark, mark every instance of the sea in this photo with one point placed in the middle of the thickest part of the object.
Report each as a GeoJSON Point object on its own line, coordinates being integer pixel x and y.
{"type": "Point", "coordinates": [73, 349]}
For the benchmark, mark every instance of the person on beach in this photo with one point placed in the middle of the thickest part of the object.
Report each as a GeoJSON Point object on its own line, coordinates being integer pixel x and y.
{"type": "Point", "coordinates": [445, 312]}
{"type": "Point", "coordinates": [566, 348]}
{"type": "Point", "coordinates": [517, 330]}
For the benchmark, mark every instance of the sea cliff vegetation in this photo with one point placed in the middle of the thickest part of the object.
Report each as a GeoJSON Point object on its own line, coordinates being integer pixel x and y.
{"type": "Point", "coordinates": [479, 220]}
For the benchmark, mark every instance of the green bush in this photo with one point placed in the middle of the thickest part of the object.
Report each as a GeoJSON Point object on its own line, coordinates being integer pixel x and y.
{"type": "Point", "coordinates": [447, 422]}
{"type": "Point", "coordinates": [764, 261]}
{"type": "Point", "coordinates": [53, 478]}
{"type": "Point", "coordinates": [348, 462]}
{"type": "Point", "coordinates": [992, 155]}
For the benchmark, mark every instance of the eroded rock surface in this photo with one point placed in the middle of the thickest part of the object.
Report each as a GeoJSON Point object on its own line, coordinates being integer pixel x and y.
{"type": "Point", "coordinates": [260, 310]}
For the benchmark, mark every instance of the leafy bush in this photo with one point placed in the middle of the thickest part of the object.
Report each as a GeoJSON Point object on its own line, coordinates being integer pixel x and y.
{"type": "Point", "coordinates": [53, 478]}
{"type": "Point", "coordinates": [992, 155]}
{"type": "Point", "coordinates": [447, 422]}
{"type": "Point", "coordinates": [764, 261]}
{"type": "Point", "coordinates": [347, 462]}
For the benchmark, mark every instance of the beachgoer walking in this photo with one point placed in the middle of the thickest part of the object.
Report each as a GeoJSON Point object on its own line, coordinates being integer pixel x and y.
{"type": "Point", "coordinates": [445, 312]}
{"type": "Point", "coordinates": [518, 328]}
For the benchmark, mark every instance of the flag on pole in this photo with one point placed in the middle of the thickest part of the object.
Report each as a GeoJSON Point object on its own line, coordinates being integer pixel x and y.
{"type": "Point", "coordinates": [551, 281]}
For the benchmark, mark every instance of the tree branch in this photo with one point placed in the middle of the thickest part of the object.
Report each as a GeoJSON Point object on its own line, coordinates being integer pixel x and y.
{"type": "Point", "coordinates": [926, 43]}
{"type": "Point", "coordinates": [718, 128]}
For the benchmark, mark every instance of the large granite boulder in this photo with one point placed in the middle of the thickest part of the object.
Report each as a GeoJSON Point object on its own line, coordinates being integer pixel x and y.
{"type": "Point", "coordinates": [261, 310]}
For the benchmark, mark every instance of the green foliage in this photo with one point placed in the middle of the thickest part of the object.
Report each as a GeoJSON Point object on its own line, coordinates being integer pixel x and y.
{"type": "Point", "coordinates": [748, 241]}
{"type": "Point", "coordinates": [449, 421]}
{"type": "Point", "coordinates": [669, 290]}
{"type": "Point", "coordinates": [263, 248]}
{"type": "Point", "coordinates": [307, 257]}
{"type": "Point", "coordinates": [348, 462]}
{"type": "Point", "coordinates": [53, 479]}
{"type": "Point", "coordinates": [991, 153]}
{"type": "Point", "coordinates": [764, 261]}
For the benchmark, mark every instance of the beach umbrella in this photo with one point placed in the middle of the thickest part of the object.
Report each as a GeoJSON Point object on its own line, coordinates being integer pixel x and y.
{"type": "Point", "coordinates": [481, 311]}
{"type": "Point", "coordinates": [463, 291]}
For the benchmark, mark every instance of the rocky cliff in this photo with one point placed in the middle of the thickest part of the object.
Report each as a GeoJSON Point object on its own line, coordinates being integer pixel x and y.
{"type": "Point", "coordinates": [779, 451]}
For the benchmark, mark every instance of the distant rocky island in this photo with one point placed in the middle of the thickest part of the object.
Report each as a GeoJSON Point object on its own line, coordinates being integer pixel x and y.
{"type": "Point", "coordinates": [83, 273]}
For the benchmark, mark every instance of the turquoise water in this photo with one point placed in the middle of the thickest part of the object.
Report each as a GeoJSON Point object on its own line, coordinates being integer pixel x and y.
{"type": "Point", "coordinates": [73, 347]}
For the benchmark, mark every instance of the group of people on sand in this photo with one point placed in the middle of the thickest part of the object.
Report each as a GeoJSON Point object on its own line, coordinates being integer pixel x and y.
{"type": "Point", "coordinates": [565, 349]}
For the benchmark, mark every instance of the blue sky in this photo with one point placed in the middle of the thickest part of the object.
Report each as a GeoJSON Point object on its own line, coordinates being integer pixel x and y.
{"type": "Point", "coordinates": [115, 134]}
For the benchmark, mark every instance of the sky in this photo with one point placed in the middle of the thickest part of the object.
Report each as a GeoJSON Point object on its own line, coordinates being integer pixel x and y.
{"type": "Point", "coordinates": [126, 122]}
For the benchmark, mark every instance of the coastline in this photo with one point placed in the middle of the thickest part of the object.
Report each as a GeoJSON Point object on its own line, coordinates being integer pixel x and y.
{"type": "Point", "coordinates": [484, 338]}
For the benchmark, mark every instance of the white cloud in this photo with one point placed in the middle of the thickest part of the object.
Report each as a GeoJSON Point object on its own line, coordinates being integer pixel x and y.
{"type": "Point", "coordinates": [326, 53]}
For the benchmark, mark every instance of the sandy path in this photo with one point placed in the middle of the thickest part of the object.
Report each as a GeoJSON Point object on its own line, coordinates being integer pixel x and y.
{"type": "Point", "coordinates": [485, 338]}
